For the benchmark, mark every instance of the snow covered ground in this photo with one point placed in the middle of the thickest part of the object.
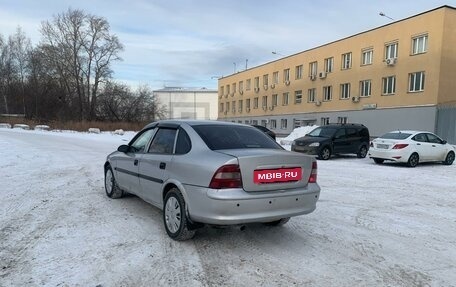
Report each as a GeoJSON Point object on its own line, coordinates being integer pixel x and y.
{"type": "Point", "coordinates": [375, 225]}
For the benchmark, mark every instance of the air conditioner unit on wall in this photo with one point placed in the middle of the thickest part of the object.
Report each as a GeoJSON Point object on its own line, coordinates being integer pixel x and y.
{"type": "Point", "coordinates": [322, 75]}
{"type": "Point", "coordinates": [272, 86]}
{"type": "Point", "coordinates": [317, 103]}
{"type": "Point", "coordinates": [287, 83]}
{"type": "Point", "coordinates": [391, 61]}
{"type": "Point", "coordinates": [265, 87]}
{"type": "Point", "coordinates": [355, 99]}
{"type": "Point", "coordinates": [271, 108]}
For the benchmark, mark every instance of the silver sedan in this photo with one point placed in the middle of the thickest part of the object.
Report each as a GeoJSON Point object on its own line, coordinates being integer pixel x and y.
{"type": "Point", "coordinates": [212, 172]}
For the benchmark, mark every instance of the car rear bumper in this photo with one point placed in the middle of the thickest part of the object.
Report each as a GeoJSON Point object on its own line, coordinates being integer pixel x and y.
{"type": "Point", "coordinates": [235, 206]}
{"type": "Point", "coordinates": [393, 155]}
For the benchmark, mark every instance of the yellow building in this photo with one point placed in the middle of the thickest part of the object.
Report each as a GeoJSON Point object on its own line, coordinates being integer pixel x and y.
{"type": "Point", "coordinates": [397, 76]}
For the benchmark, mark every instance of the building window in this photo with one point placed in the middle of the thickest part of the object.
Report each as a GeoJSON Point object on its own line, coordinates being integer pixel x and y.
{"type": "Point", "coordinates": [233, 87]}
{"type": "Point", "coordinates": [254, 122]}
{"type": "Point", "coordinates": [286, 75]}
{"type": "Point", "coordinates": [228, 89]}
{"type": "Point", "coordinates": [346, 61]}
{"type": "Point", "coordinates": [327, 93]}
{"type": "Point", "coordinates": [329, 65]}
{"type": "Point", "coordinates": [273, 124]}
{"type": "Point", "coordinates": [416, 82]}
{"type": "Point", "coordinates": [274, 100]}
{"type": "Point", "coordinates": [324, 121]}
{"type": "Point", "coordinates": [266, 80]}
{"type": "Point", "coordinates": [389, 85]}
{"type": "Point", "coordinates": [391, 51]}
{"type": "Point", "coordinates": [298, 97]}
{"type": "Point", "coordinates": [247, 104]}
{"type": "Point", "coordinates": [241, 86]}
{"type": "Point", "coordinates": [233, 107]}
{"type": "Point", "coordinates": [256, 83]}
{"type": "Point", "coordinates": [345, 91]}
{"type": "Point", "coordinates": [222, 91]}
{"type": "Point", "coordinates": [285, 99]}
{"type": "Point", "coordinates": [240, 106]}
{"type": "Point", "coordinates": [246, 122]}
{"type": "Point", "coordinates": [298, 72]}
{"type": "Point", "coordinates": [222, 106]}
{"type": "Point", "coordinates": [264, 123]}
{"type": "Point", "coordinates": [283, 124]}
{"type": "Point", "coordinates": [367, 56]}
{"type": "Point", "coordinates": [311, 95]}
{"type": "Point", "coordinates": [227, 107]}
{"type": "Point", "coordinates": [365, 88]}
{"type": "Point", "coordinates": [248, 84]}
{"type": "Point", "coordinates": [313, 69]}
{"type": "Point", "coordinates": [275, 78]}
{"type": "Point", "coordinates": [264, 102]}
{"type": "Point", "coordinates": [419, 44]}
{"type": "Point", "coordinates": [255, 103]}
{"type": "Point", "coordinates": [342, 120]}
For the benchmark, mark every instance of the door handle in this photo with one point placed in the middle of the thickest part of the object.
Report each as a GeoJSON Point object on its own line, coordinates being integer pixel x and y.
{"type": "Point", "coordinates": [418, 144]}
{"type": "Point", "coordinates": [135, 162]}
{"type": "Point", "coordinates": [162, 165]}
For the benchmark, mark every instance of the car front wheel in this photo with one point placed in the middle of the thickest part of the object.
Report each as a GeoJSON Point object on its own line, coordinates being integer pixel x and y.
{"type": "Point", "coordinates": [413, 160]}
{"type": "Point", "coordinates": [325, 153]}
{"type": "Point", "coordinates": [111, 187]}
{"type": "Point", "coordinates": [449, 158]}
{"type": "Point", "coordinates": [175, 216]}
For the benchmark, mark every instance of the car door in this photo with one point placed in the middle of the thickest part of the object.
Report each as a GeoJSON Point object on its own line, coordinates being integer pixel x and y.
{"type": "Point", "coordinates": [127, 163]}
{"type": "Point", "coordinates": [153, 165]}
{"type": "Point", "coordinates": [437, 147]}
{"type": "Point", "coordinates": [422, 146]}
{"type": "Point", "coordinates": [340, 141]}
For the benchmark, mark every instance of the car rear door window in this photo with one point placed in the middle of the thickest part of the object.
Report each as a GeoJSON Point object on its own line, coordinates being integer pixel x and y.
{"type": "Point", "coordinates": [163, 141]}
{"type": "Point", "coordinates": [183, 143]}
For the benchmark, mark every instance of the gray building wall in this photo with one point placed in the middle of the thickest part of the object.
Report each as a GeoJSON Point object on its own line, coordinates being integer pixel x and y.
{"type": "Point", "coordinates": [446, 123]}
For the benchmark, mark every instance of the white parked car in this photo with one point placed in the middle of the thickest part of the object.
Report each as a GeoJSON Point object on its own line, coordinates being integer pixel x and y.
{"type": "Point", "coordinates": [411, 147]}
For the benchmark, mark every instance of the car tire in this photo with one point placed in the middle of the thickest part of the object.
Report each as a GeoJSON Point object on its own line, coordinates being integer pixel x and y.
{"type": "Point", "coordinates": [279, 222]}
{"type": "Point", "coordinates": [111, 187]}
{"type": "Point", "coordinates": [449, 158]}
{"type": "Point", "coordinates": [378, 160]}
{"type": "Point", "coordinates": [325, 153]}
{"type": "Point", "coordinates": [362, 152]}
{"type": "Point", "coordinates": [175, 216]}
{"type": "Point", "coordinates": [413, 160]}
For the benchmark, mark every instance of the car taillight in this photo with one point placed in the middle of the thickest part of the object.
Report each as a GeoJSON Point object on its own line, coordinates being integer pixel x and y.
{"type": "Point", "coordinates": [313, 173]}
{"type": "Point", "coordinates": [227, 176]}
{"type": "Point", "coordinates": [399, 146]}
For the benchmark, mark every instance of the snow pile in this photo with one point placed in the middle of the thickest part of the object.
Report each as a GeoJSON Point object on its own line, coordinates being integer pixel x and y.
{"type": "Point", "coordinates": [297, 133]}
{"type": "Point", "coordinates": [21, 126]}
{"type": "Point", "coordinates": [5, 125]}
{"type": "Point", "coordinates": [119, 132]}
{"type": "Point", "coordinates": [41, 128]}
{"type": "Point", "coordinates": [94, 130]}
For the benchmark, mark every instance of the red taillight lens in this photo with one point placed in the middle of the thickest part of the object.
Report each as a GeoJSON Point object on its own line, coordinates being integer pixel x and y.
{"type": "Point", "coordinates": [399, 146]}
{"type": "Point", "coordinates": [227, 176]}
{"type": "Point", "coordinates": [313, 173]}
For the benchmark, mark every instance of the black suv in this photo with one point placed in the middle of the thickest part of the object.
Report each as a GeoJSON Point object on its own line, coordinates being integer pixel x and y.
{"type": "Point", "coordinates": [334, 139]}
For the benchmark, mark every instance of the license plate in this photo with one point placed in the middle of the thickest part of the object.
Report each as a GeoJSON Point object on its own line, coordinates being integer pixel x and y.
{"type": "Point", "coordinates": [383, 146]}
{"type": "Point", "coordinates": [277, 175]}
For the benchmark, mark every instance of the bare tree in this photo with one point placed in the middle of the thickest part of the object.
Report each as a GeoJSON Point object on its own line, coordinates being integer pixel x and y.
{"type": "Point", "coordinates": [81, 49]}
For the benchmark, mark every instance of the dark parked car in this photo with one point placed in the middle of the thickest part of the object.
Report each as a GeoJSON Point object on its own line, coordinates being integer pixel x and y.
{"type": "Point", "coordinates": [212, 172]}
{"type": "Point", "coordinates": [266, 131]}
{"type": "Point", "coordinates": [332, 139]}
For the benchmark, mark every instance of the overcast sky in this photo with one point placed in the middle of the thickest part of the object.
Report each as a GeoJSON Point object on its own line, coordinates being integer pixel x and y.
{"type": "Point", "coordinates": [187, 43]}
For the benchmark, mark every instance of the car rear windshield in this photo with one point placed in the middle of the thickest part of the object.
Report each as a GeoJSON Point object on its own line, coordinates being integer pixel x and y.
{"type": "Point", "coordinates": [395, 136]}
{"type": "Point", "coordinates": [219, 137]}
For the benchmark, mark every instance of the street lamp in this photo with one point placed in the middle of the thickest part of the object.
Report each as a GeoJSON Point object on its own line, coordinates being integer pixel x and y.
{"type": "Point", "coordinates": [384, 15]}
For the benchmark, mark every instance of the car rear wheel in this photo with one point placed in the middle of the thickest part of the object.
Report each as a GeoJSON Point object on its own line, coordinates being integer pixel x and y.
{"type": "Point", "coordinates": [111, 187]}
{"type": "Point", "coordinates": [362, 152]}
{"type": "Point", "coordinates": [378, 160]}
{"type": "Point", "coordinates": [413, 160]}
{"type": "Point", "coordinates": [175, 216]}
{"type": "Point", "coordinates": [325, 153]}
{"type": "Point", "coordinates": [449, 158]}
{"type": "Point", "coordinates": [279, 222]}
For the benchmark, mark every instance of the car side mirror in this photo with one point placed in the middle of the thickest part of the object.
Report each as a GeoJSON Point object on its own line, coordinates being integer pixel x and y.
{"type": "Point", "coordinates": [444, 141]}
{"type": "Point", "coordinates": [123, 148]}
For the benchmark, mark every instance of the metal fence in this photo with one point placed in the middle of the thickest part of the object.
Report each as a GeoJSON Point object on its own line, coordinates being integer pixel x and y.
{"type": "Point", "coordinates": [446, 123]}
